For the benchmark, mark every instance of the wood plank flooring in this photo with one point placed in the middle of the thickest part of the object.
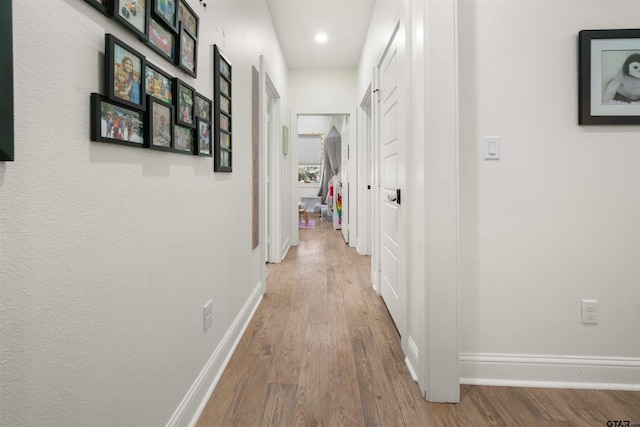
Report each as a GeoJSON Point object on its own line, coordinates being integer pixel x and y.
{"type": "Point", "coordinates": [322, 350]}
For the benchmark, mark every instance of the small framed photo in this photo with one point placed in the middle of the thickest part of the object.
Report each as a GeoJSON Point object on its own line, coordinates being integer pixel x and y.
{"type": "Point", "coordinates": [183, 142]}
{"type": "Point", "coordinates": [225, 140]}
{"type": "Point", "coordinates": [166, 11]}
{"type": "Point", "coordinates": [111, 121]}
{"type": "Point", "coordinates": [225, 123]}
{"type": "Point", "coordinates": [188, 60]}
{"type": "Point", "coordinates": [225, 87]}
{"type": "Point", "coordinates": [225, 69]}
{"type": "Point", "coordinates": [124, 69]}
{"type": "Point", "coordinates": [133, 14]}
{"type": "Point", "coordinates": [203, 147]}
{"type": "Point", "coordinates": [158, 83]}
{"type": "Point", "coordinates": [101, 5]}
{"type": "Point", "coordinates": [609, 77]}
{"type": "Point", "coordinates": [225, 105]}
{"type": "Point", "coordinates": [184, 101]}
{"type": "Point", "coordinates": [225, 161]}
{"type": "Point", "coordinates": [187, 16]}
{"type": "Point", "coordinates": [203, 107]}
{"type": "Point", "coordinates": [162, 40]}
{"type": "Point", "coordinates": [160, 125]}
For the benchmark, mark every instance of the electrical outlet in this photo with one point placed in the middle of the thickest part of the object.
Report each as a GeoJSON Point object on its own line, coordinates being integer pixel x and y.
{"type": "Point", "coordinates": [590, 312]}
{"type": "Point", "coordinates": [208, 315]}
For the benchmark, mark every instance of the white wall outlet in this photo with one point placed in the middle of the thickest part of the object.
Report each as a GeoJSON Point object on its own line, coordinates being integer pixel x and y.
{"type": "Point", "coordinates": [590, 312]}
{"type": "Point", "coordinates": [208, 315]}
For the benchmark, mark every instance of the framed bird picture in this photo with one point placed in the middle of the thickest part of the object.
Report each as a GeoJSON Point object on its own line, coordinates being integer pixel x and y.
{"type": "Point", "coordinates": [609, 77]}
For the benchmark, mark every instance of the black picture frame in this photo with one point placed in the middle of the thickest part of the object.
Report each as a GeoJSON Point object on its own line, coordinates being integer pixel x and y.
{"type": "Point", "coordinates": [120, 83]}
{"type": "Point", "coordinates": [203, 107]}
{"type": "Point", "coordinates": [7, 134]}
{"type": "Point", "coordinates": [188, 17]}
{"type": "Point", "coordinates": [162, 9]}
{"type": "Point", "coordinates": [158, 83]}
{"type": "Point", "coordinates": [222, 119]}
{"type": "Point", "coordinates": [103, 6]}
{"type": "Point", "coordinates": [605, 58]}
{"type": "Point", "coordinates": [160, 123]}
{"type": "Point", "coordinates": [133, 14]}
{"type": "Point", "coordinates": [183, 141]}
{"type": "Point", "coordinates": [188, 56]}
{"type": "Point", "coordinates": [184, 98]}
{"type": "Point", "coordinates": [163, 40]}
{"type": "Point", "coordinates": [203, 138]}
{"type": "Point", "coordinates": [116, 123]}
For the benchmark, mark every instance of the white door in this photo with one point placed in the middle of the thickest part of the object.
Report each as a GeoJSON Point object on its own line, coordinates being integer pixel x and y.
{"type": "Point", "coordinates": [392, 170]}
{"type": "Point", "coordinates": [344, 177]}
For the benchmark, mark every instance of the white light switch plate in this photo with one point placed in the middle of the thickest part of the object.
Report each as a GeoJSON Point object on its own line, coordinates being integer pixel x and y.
{"type": "Point", "coordinates": [492, 148]}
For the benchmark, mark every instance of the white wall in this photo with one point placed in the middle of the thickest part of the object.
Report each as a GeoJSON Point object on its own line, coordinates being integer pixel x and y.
{"type": "Point", "coordinates": [557, 218]}
{"type": "Point", "coordinates": [108, 253]}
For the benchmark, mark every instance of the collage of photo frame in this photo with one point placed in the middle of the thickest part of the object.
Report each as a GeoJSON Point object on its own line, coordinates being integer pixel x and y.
{"type": "Point", "coordinates": [146, 107]}
{"type": "Point", "coordinates": [222, 147]}
{"type": "Point", "coordinates": [169, 27]}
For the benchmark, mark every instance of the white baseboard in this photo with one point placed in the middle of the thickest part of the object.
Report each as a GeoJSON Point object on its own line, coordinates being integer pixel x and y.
{"type": "Point", "coordinates": [412, 357]}
{"type": "Point", "coordinates": [516, 370]}
{"type": "Point", "coordinates": [285, 248]}
{"type": "Point", "coordinates": [193, 404]}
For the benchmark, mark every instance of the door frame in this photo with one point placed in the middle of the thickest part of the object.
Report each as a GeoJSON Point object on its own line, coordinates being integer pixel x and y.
{"type": "Point", "coordinates": [364, 170]}
{"type": "Point", "coordinates": [270, 103]}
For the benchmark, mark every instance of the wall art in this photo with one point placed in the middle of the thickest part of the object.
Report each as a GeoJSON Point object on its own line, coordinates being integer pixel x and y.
{"type": "Point", "coordinates": [203, 147]}
{"type": "Point", "coordinates": [184, 101]}
{"type": "Point", "coordinates": [133, 14]}
{"type": "Point", "coordinates": [222, 116]}
{"type": "Point", "coordinates": [160, 125]}
{"type": "Point", "coordinates": [609, 77]}
{"type": "Point", "coordinates": [124, 72]}
{"type": "Point", "coordinates": [114, 122]}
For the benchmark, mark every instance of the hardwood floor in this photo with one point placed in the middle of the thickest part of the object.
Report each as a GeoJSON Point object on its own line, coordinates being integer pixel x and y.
{"type": "Point", "coordinates": [322, 350]}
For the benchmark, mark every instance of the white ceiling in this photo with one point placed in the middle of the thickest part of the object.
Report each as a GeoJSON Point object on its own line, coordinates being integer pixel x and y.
{"type": "Point", "coordinates": [298, 21]}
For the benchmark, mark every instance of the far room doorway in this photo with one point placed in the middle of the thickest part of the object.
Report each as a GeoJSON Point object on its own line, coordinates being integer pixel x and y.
{"type": "Point", "coordinates": [323, 175]}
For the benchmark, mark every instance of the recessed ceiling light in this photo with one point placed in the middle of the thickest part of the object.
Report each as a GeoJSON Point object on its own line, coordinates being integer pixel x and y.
{"type": "Point", "coordinates": [321, 37]}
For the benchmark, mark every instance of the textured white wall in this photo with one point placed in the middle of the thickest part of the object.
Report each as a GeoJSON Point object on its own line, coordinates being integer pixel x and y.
{"type": "Point", "coordinates": [108, 253]}
{"type": "Point", "coordinates": [557, 218]}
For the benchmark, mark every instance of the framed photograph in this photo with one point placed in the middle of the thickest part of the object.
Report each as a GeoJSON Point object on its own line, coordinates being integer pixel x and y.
{"type": "Point", "coordinates": [225, 140]}
{"type": "Point", "coordinates": [222, 151]}
{"type": "Point", "coordinates": [184, 102]}
{"type": "Point", "coordinates": [225, 87]}
{"type": "Point", "coordinates": [124, 69]}
{"type": "Point", "coordinates": [225, 105]}
{"type": "Point", "coordinates": [285, 140]}
{"type": "Point", "coordinates": [203, 107]}
{"type": "Point", "coordinates": [101, 5]}
{"type": "Point", "coordinates": [162, 40]}
{"type": "Point", "coordinates": [609, 77]}
{"type": "Point", "coordinates": [183, 142]}
{"type": "Point", "coordinates": [7, 138]}
{"type": "Point", "coordinates": [203, 147]}
{"type": "Point", "coordinates": [114, 122]}
{"type": "Point", "coordinates": [158, 83]}
{"type": "Point", "coordinates": [160, 125]}
{"type": "Point", "coordinates": [133, 14]}
{"type": "Point", "coordinates": [166, 11]}
{"type": "Point", "coordinates": [188, 59]}
{"type": "Point", "coordinates": [187, 16]}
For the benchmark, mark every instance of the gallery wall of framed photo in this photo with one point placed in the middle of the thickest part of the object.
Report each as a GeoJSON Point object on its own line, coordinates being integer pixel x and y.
{"type": "Point", "coordinates": [144, 106]}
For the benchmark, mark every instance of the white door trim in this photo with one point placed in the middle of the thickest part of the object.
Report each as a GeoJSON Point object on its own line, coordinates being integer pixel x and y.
{"type": "Point", "coordinates": [270, 111]}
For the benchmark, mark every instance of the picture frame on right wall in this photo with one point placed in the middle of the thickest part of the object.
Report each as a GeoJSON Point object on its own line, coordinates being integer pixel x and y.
{"type": "Point", "coordinates": [222, 113]}
{"type": "Point", "coordinates": [609, 77]}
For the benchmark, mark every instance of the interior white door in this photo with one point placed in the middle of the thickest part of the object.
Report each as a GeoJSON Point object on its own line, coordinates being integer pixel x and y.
{"type": "Point", "coordinates": [344, 173]}
{"type": "Point", "coordinates": [392, 166]}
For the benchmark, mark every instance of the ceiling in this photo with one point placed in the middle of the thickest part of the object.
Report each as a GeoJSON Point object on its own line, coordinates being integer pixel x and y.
{"type": "Point", "coordinates": [298, 21]}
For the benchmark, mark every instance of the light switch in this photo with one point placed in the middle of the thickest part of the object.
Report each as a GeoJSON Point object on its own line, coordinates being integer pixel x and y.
{"type": "Point", "coordinates": [492, 148]}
